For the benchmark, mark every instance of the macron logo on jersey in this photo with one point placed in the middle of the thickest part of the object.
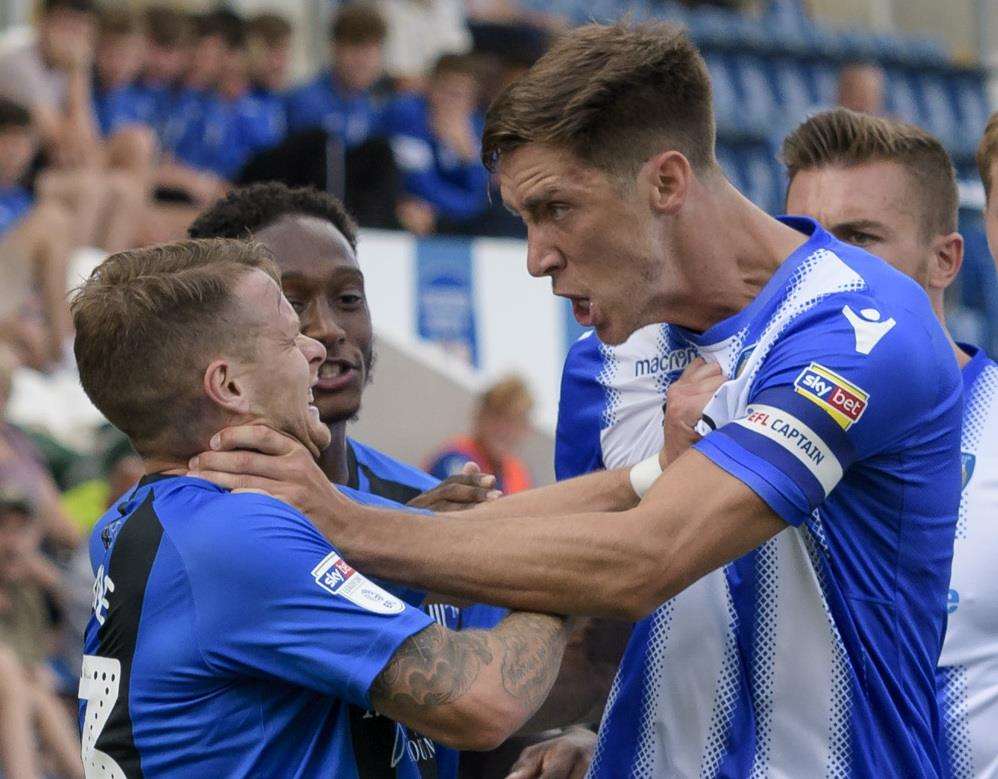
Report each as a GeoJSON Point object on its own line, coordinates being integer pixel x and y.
{"type": "Point", "coordinates": [336, 576]}
{"type": "Point", "coordinates": [843, 401]}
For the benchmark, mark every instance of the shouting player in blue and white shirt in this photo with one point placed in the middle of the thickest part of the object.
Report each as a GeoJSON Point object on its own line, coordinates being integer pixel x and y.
{"type": "Point", "coordinates": [888, 187]}
{"type": "Point", "coordinates": [825, 497]}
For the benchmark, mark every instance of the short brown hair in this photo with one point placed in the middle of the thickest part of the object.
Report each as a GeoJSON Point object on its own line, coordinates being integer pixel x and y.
{"type": "Point", "coordinates": [846, 138]}
{"type": "Point", "coordinates": [147, 323]}
{"type": "Point", "coordinates": [611, 94]}
{"type": "Point", "coordinates": [986, 153]}
{"type": "Point", "coordinates": [357, 23]}
{"type": "Point", "coordinates": [168, 27]}
{"type": "Point", "coordinates": [271, 28]}
{"type": "Point", "coordinates": [119, 21]}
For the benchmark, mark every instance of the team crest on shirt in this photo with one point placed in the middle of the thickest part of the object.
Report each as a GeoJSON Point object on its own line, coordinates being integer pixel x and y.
{"type": "Point", "coordinates": [844, 402]}
{"type": "Point", "coordinates": [967, 463]}
{"type": "Point", "coordinates": [337, 577]}
{"type": "Point", "coordinates": [743, 359]}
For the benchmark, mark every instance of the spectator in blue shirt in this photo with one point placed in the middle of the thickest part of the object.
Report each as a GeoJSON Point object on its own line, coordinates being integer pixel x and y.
{"type": "Point", "coordinates": [191, 125]}
{"type": "Point", "coordinates": [35, 245]}
{"type": "Point", "coordinates": [168, 40]}
{"type": "Point", "coordinates": [169, 44]}
{"type": "Point", "coordinates": [340, 100]}
{"type": "Point", "coordinates": [118, 60]}
{"type": "Point", "coordinates": [233, 125]}
{"type": "Point", "coordinates": [435, 139]}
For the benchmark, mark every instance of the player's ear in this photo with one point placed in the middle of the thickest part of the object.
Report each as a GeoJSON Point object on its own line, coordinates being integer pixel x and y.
{"type": "Point", "coordinates": [225, 387]}
{"type": "Point", "coordinates": [668, 176]}
{"type": "Point", "coordinates": [947, 253]}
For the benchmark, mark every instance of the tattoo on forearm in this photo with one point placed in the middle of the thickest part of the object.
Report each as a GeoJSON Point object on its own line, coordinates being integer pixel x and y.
{"type": "Point", "coordinates": [433, 667]}
{"type": "Point", "coordinates": [530, 658]}
{"type": "Point", "coordinates": [437, 666]}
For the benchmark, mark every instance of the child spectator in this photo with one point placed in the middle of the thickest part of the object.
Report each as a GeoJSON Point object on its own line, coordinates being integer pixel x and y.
{"type": "Point", "coordinates": [190, 68]}
{"type": "Point", "coordinates": [269, 37]}
{"type": "Point", "coordinates": [35, 245]}
{"type": "Point", "coordinates": [49, 73]}
{"type": "Point", "coordinates": [168, 41]}
{"type": "Point", "coordinates": [340, 100]}
{"type": "Point", "coordinates": [121, 46]}
{"type": "Point", "coordinates": [435, 139]}
{"type": "Point", "coordinates": [169, 35]}
{"type": "Point", "coordinates": [499, 427]}
{"type": "Point", "coordinates": [233, 125]}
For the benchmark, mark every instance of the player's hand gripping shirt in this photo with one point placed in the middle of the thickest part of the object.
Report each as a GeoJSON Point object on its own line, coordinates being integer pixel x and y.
{"type": "Point", "coordinates": [229, 639]}
{"type": "Point", "coordinates": [968, 666]}
{"type": "Point", "coordinates": [815, 654]}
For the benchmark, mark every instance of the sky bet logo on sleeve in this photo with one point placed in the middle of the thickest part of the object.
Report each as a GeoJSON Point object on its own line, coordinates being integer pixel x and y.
{"type": "Point", "coordinates": [845, 402]}
{"type": "Point", "coordinates": [337, 577]}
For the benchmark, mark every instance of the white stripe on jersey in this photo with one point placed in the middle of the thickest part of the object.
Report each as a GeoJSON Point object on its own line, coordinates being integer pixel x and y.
{"type": "Point", "coordinates": [635, 378]}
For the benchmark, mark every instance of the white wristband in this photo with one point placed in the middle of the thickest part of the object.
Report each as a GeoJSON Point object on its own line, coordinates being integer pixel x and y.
{"type": "Point", "coordinates": [644, 474]}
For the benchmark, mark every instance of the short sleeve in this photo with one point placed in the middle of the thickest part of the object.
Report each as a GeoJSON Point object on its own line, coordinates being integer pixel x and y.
{"type": "Point", "coordinates": [276, 600]}
{"type": "Point", "coordinates": [842, 384]}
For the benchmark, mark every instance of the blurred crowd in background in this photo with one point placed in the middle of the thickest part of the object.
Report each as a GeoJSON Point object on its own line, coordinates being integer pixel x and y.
{"type": "Point", "coordinates": [118, 125]}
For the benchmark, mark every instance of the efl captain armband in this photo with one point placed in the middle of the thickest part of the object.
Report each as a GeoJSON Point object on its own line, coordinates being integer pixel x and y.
{"type": "Point", "coordinates": [644, 474]}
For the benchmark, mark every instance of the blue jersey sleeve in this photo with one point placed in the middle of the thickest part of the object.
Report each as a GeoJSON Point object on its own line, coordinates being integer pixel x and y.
{"type": "Point", "coordinates": [276, 600]}
{"type": "Point", "coordinates": [577, 448]}
{"type": "Point", "coordinates": [842, 384]}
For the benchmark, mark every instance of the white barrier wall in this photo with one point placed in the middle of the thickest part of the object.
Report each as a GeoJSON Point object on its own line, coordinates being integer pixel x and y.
{"type": "Point", "coordinates": [476, 300]}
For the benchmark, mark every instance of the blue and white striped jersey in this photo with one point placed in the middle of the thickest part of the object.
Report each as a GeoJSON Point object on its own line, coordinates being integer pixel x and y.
{"type": "Point", "coordinates": [968, 666]}
{"type": "Point", "coordinates": [610, 409]}
{"type": "Point", "coordinates": [814, 654]}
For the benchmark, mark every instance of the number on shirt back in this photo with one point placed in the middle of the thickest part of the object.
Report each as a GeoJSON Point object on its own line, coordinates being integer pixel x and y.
{"type": "Point", "coordinates": [99, 684]}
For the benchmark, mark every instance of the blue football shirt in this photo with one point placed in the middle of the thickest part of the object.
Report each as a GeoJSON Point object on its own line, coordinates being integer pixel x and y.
{"type": "Point", "coordinates": [353, 117]}
{"type": "Point", "coordinates": [229, 638]}
{"type": "Point", "coordinates": [815, 654]}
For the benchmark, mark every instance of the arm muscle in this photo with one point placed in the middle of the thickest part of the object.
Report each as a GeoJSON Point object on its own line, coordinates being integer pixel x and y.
{"type": "Point", "coordinates": [474, 688]}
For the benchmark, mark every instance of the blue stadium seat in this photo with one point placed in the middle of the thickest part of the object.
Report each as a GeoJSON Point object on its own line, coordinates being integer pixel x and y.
{"type": "Point", "coordinates": [972, 109]}
{"type": "Point", "coordinates": [858, 44]}
{"type": "Point", "coordinates": [794, 88]}
{"type": "Point", "coordinates": [758, 103]}
{"type": "Point", "coordinates": [763, 180]}
{"type": "Point", "coordinates": [728, 159]}
{"type": "Point", "coordinates": [725, 93]}
{"type": "Point", "coordinates": [826, 83]}
{"type": "Point", "coordinates": [939, 115]}
{"type": "Point", "coordinates": [715, 27]}
{"type": "Point", "coordinates": [901, 99]}
{"type": "Point", "coordinates": [671, 12]}
{"type": "Point", "coordinates": [787, 15]}
{"type": "Point", "coordinates": [924, 53]}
